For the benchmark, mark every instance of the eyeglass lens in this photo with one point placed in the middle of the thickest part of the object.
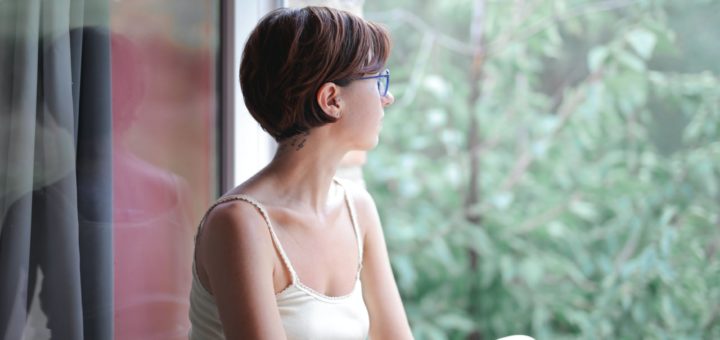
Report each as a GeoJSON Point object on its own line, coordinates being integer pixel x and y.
{"type": "Point", "coordinates": [382, 83]}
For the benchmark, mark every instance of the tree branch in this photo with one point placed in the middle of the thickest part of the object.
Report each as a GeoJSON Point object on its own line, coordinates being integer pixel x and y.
{"type": "Point", "coordinates": [499, 43]}
{"type": "Point", "coordinates": [421, 62]}
{"type": "Point", "coordinates": [522, 163]}
{"type": "Point", "coordinates": [404, 16]}
{"type": "Point", "coordinates": [548, 215]}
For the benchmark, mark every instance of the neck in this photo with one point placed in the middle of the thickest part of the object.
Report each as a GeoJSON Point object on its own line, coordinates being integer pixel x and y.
{"type": "Point", "coordinates": [302, 171]}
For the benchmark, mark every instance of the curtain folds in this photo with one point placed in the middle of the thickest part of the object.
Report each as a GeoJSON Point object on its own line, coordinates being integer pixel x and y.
{"type": "Point", "coordinates": [56, 269]}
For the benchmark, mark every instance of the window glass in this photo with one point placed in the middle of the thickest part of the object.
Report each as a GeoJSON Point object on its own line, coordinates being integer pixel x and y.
{"type": "Point", "coordinates": [551, 168]}
{"type": "Point", "coordinates": [164, 71]}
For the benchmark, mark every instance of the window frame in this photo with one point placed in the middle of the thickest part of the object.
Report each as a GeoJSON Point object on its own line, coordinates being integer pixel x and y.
{"type": "Point", "coordinates": [244, 148]}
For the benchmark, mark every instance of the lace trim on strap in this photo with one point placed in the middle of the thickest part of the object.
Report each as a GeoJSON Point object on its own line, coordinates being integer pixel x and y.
{"type": "Point", "coordinates": [266, 217]}
{"type": "Point", "coordinates": [276, 240]}
{"type": "Point", "coordinates": [356, 227]}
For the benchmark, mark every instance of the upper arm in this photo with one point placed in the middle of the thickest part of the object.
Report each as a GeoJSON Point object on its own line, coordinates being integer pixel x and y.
{"type": "Point", "coordinates": [380, 292]}
{"type": "Point", "coordinates": [237, 254]}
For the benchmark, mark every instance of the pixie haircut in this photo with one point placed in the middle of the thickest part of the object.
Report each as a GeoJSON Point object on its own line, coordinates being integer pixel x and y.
{"type": "Point", "coordinates": [292, 52]}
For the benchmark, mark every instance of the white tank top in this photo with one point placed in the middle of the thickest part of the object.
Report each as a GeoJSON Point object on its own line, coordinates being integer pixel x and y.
{"type": "Point", "coordinates": [305, 313]}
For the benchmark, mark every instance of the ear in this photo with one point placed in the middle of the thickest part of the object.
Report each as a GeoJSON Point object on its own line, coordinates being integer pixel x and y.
{"type": "Point", "coordinates": [328, 98]}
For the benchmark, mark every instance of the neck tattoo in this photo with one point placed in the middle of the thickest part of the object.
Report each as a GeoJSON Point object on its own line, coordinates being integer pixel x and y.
{"type": "Point", "coordinates": [299, 141]}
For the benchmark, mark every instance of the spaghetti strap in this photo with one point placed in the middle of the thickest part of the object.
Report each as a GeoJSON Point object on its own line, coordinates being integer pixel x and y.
{"type": "Point", "coordinates": [353, 220]}
{"type": "Point", "coordinates": [266, 217]}
{"type": "Point", "coordinates": [276, 241]}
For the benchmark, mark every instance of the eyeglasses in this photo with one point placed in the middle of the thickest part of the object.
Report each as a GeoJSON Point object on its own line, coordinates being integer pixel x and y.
{"type": "Point", "coordinates": [383, 81]}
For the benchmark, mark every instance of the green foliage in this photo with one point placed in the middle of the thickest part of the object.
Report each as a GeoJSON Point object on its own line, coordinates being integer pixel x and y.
{"type": "Point", "coordinates": [598, 210]}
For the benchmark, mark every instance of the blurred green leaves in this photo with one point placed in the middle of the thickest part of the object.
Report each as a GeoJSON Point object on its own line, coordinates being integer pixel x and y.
{"type": "Point", "coordinates": [599, 169]}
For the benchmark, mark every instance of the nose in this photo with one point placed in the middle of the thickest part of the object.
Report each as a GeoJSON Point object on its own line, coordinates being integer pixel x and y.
{"type": "Point", "coordinates": [388, 99]}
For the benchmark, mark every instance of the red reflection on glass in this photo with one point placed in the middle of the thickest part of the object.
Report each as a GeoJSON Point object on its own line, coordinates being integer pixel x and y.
{"type": "Point", "coordinates": [163, 106]}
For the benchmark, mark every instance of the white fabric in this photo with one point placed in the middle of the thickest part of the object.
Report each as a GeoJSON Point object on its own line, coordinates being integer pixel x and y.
{"type": "Point", "coordinates": [305, 313]}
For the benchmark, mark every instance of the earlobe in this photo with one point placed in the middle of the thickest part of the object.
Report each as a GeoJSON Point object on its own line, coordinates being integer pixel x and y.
{"type": "Point", "coordinates": [328, 98]}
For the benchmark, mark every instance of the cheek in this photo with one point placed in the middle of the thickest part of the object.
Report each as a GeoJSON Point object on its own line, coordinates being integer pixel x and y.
{"type": "Point", "coordinates": [364, 109]}
{"type": "Point", "coordinates": [366, 116]}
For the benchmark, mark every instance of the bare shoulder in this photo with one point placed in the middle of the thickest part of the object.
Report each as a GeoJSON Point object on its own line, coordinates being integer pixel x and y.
{"type": "Point", "coordinates": [236, 253]}
{"type": "Point", "coordinates": [365, 207]}
{"type": "Point", "coordinates": [360, 195]}
{"type": "Point", "coordinates": [234, 219]}
{"type": "Point", "coordinates": [233, 231]}
{"type": "Point", "coordinates": [232, 213]}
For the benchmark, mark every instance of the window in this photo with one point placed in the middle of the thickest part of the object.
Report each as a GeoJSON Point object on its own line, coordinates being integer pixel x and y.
{"type": "Point", "coordinates": [551, 167]}
{"type": "Point", "coordinates": [165, 159]}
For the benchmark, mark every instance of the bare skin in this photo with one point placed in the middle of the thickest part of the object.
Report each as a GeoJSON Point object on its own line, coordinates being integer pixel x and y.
{"type": "Point", "coordinates": [236, 260]}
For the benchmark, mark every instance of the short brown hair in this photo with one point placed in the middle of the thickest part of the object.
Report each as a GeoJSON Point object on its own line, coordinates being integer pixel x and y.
{"type": "Point", "coordinates": [292, 52]}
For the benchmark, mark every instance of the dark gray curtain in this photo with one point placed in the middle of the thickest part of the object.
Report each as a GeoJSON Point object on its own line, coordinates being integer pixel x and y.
{"type": "Point", "coordinates": [55, 170]}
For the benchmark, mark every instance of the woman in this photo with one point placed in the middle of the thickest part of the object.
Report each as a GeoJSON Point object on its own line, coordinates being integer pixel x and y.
{"type": "Point", "coordinates": [293, 252]}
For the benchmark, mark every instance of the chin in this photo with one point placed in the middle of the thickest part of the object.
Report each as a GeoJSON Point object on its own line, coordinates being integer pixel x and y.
{"type": "Point", "coordinates": [375, 142]}
{"type": "Point", "coordinates": [368, 145]}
